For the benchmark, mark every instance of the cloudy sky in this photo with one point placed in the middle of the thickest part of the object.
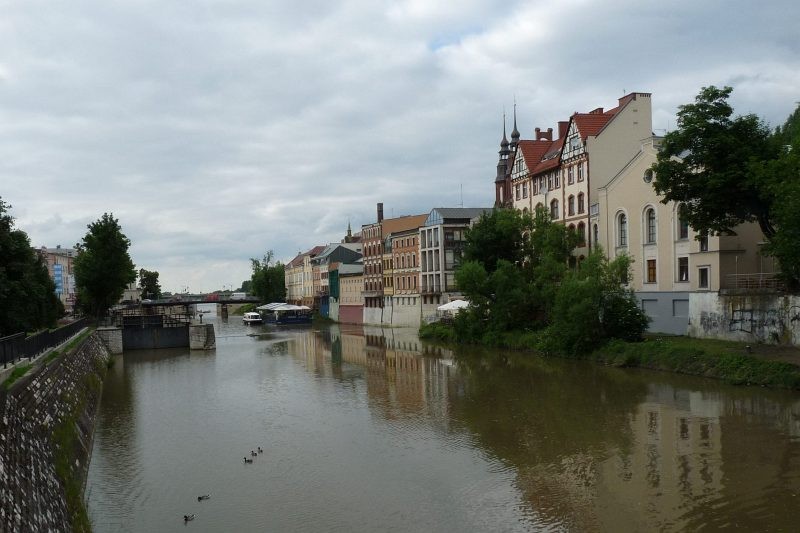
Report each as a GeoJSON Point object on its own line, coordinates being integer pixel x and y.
{"type": "Point", "coordinates": [217, 130]}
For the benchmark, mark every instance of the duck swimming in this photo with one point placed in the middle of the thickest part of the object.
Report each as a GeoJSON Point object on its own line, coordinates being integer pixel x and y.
{"type": "Point", "coordinates": [188, 517]}
{"type": "Point", "coordinates": [246, 460]}
{"type": "Point", "coordinates": [260, 450]}
{"type": "Point", "coordinates": [252, 453]}
{"type": "Point", "coordinates": [203, 497]}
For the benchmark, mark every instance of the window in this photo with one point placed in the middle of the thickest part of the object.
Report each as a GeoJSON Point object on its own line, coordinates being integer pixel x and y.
{"type": "Point", "coordinates": [571, 175]}
{"type": "Point", "coordinates": [554, 209]}
{"type": "Point", "coordinates": [622, 230]}
{"type": "Point", "coordinates": [524, 189]}
{"type": "Point", "coordinates": [650, 221]}
{"type": "Point", "coordinates": [571, 204]}
{"type": "Point", "coordinates": [556, 179]}
{"type": "Point", "coordinates": [651, 271]}
{"type": "Point", "coordinates": [595, 234]}
{"type": "Point", "coordinates": [683, 226]}
{"type": "Point", "coordinates": [703, 277]}
{"type": "Point", "coordinates": [581, 203]}
{"type": "Point", "coordinates": [704, 243]}
{"type": "Point", "coordinates": [516, 190]}
{"type": "Point", "coordinates": [582, 233]}
{"type": "Point", "coordinates": [683, 269]}
{"type": "Point", "coordinates": [580, 171]}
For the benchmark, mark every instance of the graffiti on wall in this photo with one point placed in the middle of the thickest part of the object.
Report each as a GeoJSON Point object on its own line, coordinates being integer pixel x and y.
{"type": "Point", "coordinates": [765, 325]}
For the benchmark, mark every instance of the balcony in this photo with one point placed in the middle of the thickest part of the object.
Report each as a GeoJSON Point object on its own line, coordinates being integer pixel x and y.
{"type": "Point", "coordinates": [759, 281]}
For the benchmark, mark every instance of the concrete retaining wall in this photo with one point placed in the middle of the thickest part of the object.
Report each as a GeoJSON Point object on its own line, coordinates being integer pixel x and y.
{"type": "Point", "coordinates": [201, 337]}
{"type": "Point", "coordinates": [112, 337]}
{"type": "Point", "coordinates": [766, 318]}
{"type": "Point", "coordinates": [33, 496]}
{"type": "Point", "coordinates": [373, 315]}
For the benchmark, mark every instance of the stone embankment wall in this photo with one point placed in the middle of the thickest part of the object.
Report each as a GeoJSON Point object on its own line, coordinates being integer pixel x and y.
{"type": "Point", "coordinates": [765, 318]}
{"type": "Point", "coordinates": [59, 398]}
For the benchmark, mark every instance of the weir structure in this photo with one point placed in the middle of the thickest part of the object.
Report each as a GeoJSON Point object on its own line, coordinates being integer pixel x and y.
{"type": "Point", "coordinates": [156, 325]}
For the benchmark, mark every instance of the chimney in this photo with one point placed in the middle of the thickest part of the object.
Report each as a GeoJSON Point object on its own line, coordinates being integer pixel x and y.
{"type": "Point", "coordinates": [536, 133]}
{"type": "Point", "coordinates": [544, 135]}
{"type": "Point", "coordinates": [563, 125]}
{"type": "Point", "coordinates": [598, 111]}
{"type": "Point", "coordinates": [380, 211]}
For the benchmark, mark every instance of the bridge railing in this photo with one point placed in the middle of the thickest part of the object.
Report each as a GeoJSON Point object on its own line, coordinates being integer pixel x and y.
{"type": "Point", "coordinates": [20, 346]}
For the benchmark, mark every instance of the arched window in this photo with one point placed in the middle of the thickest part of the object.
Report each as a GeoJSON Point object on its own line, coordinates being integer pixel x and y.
{"type": "Point", "coordinates": [683, 225]}
{"type": "Point", "coordinates": [581, 203]}
{"type": "Point", "coordinates": [571, 204]}
{"type": "Point", "coordinates": [622, 230]}
{"type": "Point", "coordinates": [539, 206]}
{"type": "Point", "coordinates": [554, 209]}
{"type": "Point", "coordinates": [582, 233]}
{"type": "Point", "coordinates": [650, 225]}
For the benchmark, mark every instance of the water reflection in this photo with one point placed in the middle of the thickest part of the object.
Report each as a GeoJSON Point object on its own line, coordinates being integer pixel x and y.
{"type": "Point", "coordinates": [369, 429]}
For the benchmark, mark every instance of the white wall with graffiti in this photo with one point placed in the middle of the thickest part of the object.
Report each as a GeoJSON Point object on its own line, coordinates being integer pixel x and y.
{"type": "Point", "coordinates": [764, 318]}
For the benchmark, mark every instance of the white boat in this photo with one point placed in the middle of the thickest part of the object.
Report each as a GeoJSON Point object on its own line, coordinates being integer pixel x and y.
{"type": "Point", "coordinates": [252, 318]}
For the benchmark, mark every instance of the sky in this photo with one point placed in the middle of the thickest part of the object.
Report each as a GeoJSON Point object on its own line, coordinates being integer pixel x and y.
{"type": "Point", "coordinates": [215, 131]}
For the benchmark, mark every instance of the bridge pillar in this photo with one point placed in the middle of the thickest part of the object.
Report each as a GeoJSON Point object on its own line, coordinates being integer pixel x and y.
{"type": "Point", "coordinates": [201, 337]}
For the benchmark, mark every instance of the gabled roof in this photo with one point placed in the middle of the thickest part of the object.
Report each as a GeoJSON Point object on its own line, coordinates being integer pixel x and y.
{"type": "Point", "coordinates": [533, 151]}
{"type": "Point", "coordinates": [592, 123]}
{"type": "Point", "coordinates": [298, 260]}
{"type": "Point", "coordinates": [550, 159]}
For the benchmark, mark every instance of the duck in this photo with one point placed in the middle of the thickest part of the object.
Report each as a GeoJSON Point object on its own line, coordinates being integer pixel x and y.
{"type": "Point", "coordinates": [260, 450]}
{"type": "Point", "coordinates": [246, 460]}
{"type": "Point", "coordinates": [203, 497]}
{"type": "Point", "coordinates": [252, 453]}
{"type": "Point", "coordinates": [188, 517]}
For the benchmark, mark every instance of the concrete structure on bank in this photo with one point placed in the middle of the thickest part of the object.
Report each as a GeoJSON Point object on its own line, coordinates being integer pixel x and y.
{"type": "Point", "coordinates": [747, 316]}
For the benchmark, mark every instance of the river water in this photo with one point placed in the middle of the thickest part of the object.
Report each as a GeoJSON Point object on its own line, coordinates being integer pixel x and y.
{"type": "Point", "coordinates": [365, 429]}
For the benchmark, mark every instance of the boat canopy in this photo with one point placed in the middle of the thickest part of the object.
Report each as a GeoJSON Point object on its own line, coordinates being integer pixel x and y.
{"type": "Point", "coordinates": [280, 306]}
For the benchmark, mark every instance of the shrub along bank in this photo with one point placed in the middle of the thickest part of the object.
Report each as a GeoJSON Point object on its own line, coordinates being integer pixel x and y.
{"type": "Point", "coordinates": [725, 360]}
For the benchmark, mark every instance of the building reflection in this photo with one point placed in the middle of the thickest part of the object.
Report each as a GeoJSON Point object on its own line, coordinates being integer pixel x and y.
{"type": "Point", "coordinates": [591, 448]}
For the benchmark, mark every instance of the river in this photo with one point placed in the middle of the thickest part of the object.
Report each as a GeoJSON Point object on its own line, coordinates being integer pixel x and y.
{"type": "Point", "coordinates": [366, 429]}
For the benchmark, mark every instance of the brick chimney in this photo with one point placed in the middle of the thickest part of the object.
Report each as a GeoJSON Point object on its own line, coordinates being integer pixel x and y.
{"type": "Point", "coordinates": [540, 135]}
{"type": "Point", "coordinates": [563, 126]}
{"type": "Point", "coordinates": [380, 211]}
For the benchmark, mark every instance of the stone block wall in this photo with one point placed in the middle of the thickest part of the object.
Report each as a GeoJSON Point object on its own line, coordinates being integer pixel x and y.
{"type": "Point", "coordinates": [64, 392]}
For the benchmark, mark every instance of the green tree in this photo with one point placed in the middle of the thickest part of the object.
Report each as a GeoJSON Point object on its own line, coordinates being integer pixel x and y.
{"type": "Point", "coordinates": [246, 286]}
{"type": "Point", "coordinates": [783, 174]}
{"type": "Point", "coordinates": [27, 293]}
{"type": "Point", "coordinates": [267, 281]}
{"type": "Point", "coordinates": [592, 306]}
{"type": "Point", "coordinates": [148, 282]}
{"type": "Point", "coordinates": [707, 164]}
{"type": "Point", "coordinates": [103, 267]}
{"type": "Point", "coordinates": [498, 235]}
{"type": "Point", "coordinates": [727, 171]}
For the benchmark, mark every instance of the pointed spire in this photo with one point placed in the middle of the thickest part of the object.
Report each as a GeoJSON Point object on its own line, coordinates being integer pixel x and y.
{"type": "Point", "coordinates": [515, 133]}
{"type": "Point", "coordinates": [504, 142]}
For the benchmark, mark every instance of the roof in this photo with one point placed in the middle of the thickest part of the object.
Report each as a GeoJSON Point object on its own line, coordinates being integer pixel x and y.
{"type": "Point", "coordinates": [350, 270]}
{"type": "Point", "coordinates": [440, 215]}
{"type": "Point", "coordinates": [394, 225]}
{"type": "Point", "coordinates": [298, 260]}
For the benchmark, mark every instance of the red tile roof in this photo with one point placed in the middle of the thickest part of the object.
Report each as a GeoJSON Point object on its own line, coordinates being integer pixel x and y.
{"type": "Point", "coordinates": [298, 260]}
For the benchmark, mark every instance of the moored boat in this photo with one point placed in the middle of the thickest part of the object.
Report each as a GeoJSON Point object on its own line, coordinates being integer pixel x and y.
{"type": "Point", "coordinates": [252, 318]}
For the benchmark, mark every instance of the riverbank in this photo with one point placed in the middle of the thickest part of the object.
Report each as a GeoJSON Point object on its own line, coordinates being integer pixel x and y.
{"type": "Point", "coordinates": [734, 362]}
{"type": "Point", "coordinates": [46, 422]}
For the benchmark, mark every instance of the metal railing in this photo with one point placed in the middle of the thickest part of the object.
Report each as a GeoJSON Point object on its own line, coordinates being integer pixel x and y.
{"type": "Point", "coordinates": [20, 346]}
{"type": "Point", "coordinates": [756, 281]}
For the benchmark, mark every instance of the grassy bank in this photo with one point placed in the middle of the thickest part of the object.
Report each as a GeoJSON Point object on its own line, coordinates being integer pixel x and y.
{"type": "Point", "coordinates": [246, 308]}
{"type": "Point", "coordinates": [728, 361]}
